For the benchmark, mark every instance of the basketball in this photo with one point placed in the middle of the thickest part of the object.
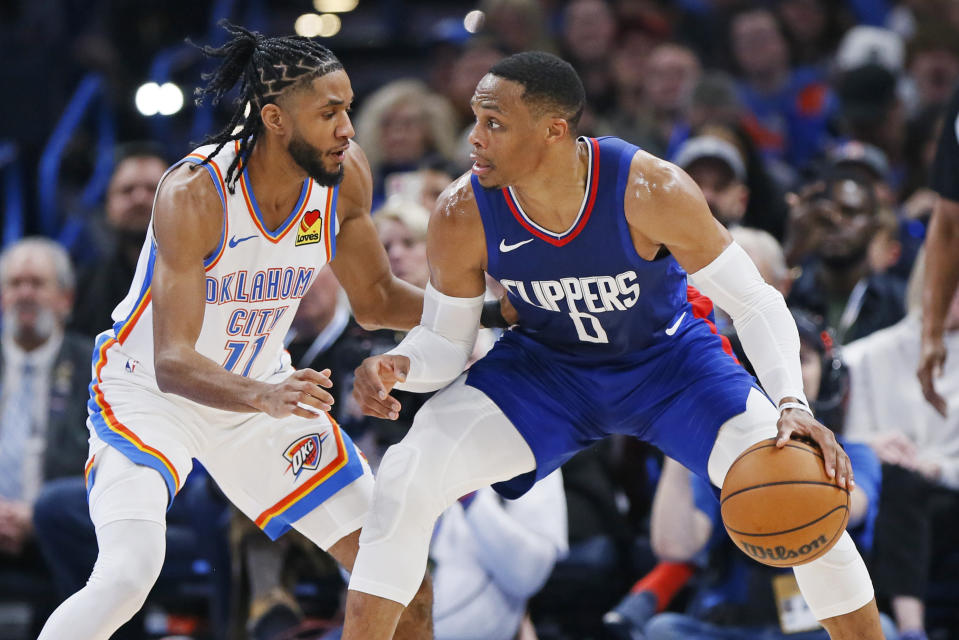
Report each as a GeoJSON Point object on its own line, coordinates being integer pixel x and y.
{"type": "Point", "coordinates": [780, 507]}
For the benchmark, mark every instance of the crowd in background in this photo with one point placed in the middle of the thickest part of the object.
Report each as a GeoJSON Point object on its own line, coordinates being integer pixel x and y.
{"type": "Point", "coordinates": [811, 127]}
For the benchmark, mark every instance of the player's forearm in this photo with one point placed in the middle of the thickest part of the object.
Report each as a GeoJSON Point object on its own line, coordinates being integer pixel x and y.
{"type": "Point", "coordinates": [393, 304]}
{"type": "Point", "coordinates": [186, 373]}
{"type": "Point", "coordinates": [942, 267]}
{"type": "Point", "coordinates": [762, 320]}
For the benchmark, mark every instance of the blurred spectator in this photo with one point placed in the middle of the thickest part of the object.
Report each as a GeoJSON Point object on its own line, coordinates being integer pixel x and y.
{"type": "Point", "coordinates": [767, 255]}
{"type": "Point", "coordinates": [717, 167]}
{"type": "Point", "coordinates": [872, 113]}
{"type": "Point", "coordinates": [402, 228]}
{"type": "Point", "coordinates": [472, 64]}
{"type": "Point", "coordinates": [128, 208]}
{"type": "Point", "coordinates": [424, 185]}
{"type": "Point", "coordinates": [399, 125]}
{"type": "Point", "coordinates": [516, 25]}
{"type": "Point", "coordinates": [933, 65]}
{"type": "Point", "coordinates": [672, 71]}
{"type": "Point", "coordinates": [862, 45]}
{"type": "Point", "coordinates": [491, 555]}
{"type": "Point", "coordinates": [609, 489]}
{"type": "Point", "coordinates": [919, 449]}
{"type": "Point", "coordinates": [588, 33]}
{"type": "Point", "coordinates": [789, 108]}
{"type": "Point", "coordinates": [832, 225]}
{"type": "Point", "coordinates": [44, 373]}
{"type": "Point", "coordinates": [813, 28]}
{"type": "Point", "coordinates": [736, 597]}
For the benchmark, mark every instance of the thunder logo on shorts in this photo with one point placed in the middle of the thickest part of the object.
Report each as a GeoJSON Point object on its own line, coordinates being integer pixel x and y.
{"type": "Point", "coordinates": [305, 453]}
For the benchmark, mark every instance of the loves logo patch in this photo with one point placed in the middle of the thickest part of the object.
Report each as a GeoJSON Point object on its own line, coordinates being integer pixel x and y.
{"type": "Point", "coordinates": [304, 453]}
{"type": "Point", "coordinates": [311, 228]}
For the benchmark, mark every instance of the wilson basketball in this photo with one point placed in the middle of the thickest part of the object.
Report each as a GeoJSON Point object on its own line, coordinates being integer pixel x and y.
{"type": "Point", "coordinates": [780, 507]}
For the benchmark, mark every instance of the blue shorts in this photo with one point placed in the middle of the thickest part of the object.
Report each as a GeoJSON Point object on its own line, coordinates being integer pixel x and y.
{"type": "Point", "coordinates": [674, 395]}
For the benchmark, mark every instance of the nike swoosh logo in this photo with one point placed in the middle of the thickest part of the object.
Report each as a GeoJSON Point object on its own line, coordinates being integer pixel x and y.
{"type": "Point", "coordinates": [671, 330]}
{"type": "Point", "coordinates": [506, 248]}
{"type": "Point", "coordinates": [235, 241]}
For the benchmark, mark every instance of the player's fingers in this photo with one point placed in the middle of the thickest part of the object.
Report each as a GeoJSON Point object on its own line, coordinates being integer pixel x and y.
{"type": "Point", "coordinates": [379, 409]}
{"type": "Point", "coordinates": [828, 447]}
{"type": "Point", "coordinates": [322, 395]}
{"type": "Point", "coordinates": [785, 431]}
{"type": "Point", "coordinates": [397, 368]}
{"type": "Point", "coordinates": [303, 413]}
{"type": "Point", "coordinates": [316, 377]}
{"type": "Point", "coordinates": [312, 399]}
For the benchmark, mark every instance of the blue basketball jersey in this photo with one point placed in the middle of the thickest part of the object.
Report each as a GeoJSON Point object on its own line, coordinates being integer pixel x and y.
{"type": "Point", "coordinates": [584, 293]}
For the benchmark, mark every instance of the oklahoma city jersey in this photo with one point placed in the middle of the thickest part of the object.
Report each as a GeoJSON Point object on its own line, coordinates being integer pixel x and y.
{"type": "Point", "coordinates": [254, 279]}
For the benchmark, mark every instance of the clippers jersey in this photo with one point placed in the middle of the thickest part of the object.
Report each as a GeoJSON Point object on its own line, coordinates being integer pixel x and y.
{"type": "Point", "coordinates": [254, 279]}
{"type": "Point", "coordinates": [584, 293]}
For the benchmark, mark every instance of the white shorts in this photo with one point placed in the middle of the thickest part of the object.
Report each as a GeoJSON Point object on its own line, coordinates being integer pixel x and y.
{"type": "Point", "coordinates": [274, 470]}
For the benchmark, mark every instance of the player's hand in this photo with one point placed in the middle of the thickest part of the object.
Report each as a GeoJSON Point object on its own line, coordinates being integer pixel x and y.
{"type": "Point", "coordinates": [932, 357]}
{"type": "Point", "coordinates": [375, 378]}
{"type": "Point", "coordinates": [796, 422]}
{"type": "Point", "coordinates": [302, 394]}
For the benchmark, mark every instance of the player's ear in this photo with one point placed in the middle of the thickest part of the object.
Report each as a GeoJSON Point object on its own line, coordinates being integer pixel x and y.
{"type": "Point", "coordinates": [273, 118]}
{"type": "Point", "coordinates": [557, 129]}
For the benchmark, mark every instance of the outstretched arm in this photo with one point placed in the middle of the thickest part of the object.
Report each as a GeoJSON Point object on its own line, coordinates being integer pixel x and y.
{"type": "Point", "coordinates": [667, 209]}
{"type": "Point", "coordinates": [379, 299]}
{"type": "Point", "coordinates": [939, 288]}
{"type": "Point", "coordinates": [437, 350]}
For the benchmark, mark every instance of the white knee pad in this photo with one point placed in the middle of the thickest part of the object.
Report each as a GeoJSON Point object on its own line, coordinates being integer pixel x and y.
{"type": "Point", "coordinates": [758, 422]}
{"type": "Point", "coordinates": [837, 582]}
{"type": "Point", "coordinates": [460, 441]}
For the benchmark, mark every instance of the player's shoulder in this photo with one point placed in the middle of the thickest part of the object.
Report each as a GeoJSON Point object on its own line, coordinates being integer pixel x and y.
{"type": "Point", "coordinates": [356, 189]}
{"type": "Point", "coordinates": [457, 203]}
{"type": "Point", "coordinates": [655, 181]}
{"type": "Point", "coordinates": [189, 185]}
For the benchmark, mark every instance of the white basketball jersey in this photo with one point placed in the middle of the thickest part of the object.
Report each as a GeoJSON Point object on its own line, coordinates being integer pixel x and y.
{"type": "Point", "coordinates": [254, 279]}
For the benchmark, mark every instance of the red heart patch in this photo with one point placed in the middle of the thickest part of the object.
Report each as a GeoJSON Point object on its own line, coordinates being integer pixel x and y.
{"type": "Point", "coordinates": [309, 219]}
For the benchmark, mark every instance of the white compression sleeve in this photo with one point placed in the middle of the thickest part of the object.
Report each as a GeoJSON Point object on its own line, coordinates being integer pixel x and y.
{"type": "Point", "coordinates": [759, 313]}
{"type": "Point", "coordinates": [440, 346]}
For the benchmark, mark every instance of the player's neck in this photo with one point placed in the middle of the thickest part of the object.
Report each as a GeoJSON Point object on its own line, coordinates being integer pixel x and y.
{"type": "Point", "coordinates": [552, 194]}
{"type": "Point", "coordinates": [276, 181]}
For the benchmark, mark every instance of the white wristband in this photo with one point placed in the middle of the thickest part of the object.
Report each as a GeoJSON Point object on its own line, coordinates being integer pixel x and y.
{"type": "Point", "coordinates": [795, 405]}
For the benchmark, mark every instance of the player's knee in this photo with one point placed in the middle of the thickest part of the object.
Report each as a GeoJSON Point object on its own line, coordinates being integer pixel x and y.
{"type": "Point", "coordinates": [837, 582]}
{"type": "Point", "coordinates": [125, 574]}
{"type": "Point", "coordinates": [406, 488]}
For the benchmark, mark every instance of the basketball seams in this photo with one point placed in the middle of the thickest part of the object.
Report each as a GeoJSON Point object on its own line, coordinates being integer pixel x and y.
{"type": "Point", "coordinates": [782, 482]}
{"type": "Point", "coordinates": [794, 529]}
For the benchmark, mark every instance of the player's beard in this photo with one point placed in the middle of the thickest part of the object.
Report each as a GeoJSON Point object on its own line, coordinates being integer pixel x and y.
{"type": "Point", "coordinates": [310, 160]}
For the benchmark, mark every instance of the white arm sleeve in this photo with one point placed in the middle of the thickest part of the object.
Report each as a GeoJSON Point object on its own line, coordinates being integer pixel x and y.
{"type": "Point", "coordinates": [440, 346]}
{"type": "Point", "coordinates": [764, 324]}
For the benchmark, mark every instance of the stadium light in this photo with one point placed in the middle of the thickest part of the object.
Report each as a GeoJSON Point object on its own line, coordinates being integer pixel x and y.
{"type": "Point", "coordinates": [474, 20]}
{"type": "Point", "coordinates": [331, 25]}
{"type": "Point", "coordinates": [152, 99]}
{"type": "Point", "coordinates": [334, 6]}
{"type": "Point", "coordinates": [308, 25]}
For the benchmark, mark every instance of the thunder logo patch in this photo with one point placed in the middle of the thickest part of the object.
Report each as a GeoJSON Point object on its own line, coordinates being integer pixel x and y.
{"type": "Point", "coordinates": [311, 228]}
{"type": "Point", "coordinates": [304, 453]}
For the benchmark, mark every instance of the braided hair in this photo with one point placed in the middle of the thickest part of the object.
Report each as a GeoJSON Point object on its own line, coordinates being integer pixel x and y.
{"type": "Point", "coordinates": [264, 67]}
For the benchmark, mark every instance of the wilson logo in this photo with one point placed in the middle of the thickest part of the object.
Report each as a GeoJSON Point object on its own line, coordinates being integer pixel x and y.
{"type": "Point", "coordinates": [304, 454]}
{"type": "Point", "coordinates": [310, 229]}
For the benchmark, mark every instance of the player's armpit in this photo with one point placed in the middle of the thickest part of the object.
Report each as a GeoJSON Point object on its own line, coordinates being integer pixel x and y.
{"type": "Point", "coordinates": [664, 207]}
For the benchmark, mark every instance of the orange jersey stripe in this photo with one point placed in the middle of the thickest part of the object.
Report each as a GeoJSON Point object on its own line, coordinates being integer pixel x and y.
{"type": "Point", "coordinates": [335, 465]}
{"type": "Point", "coordinates": [119, 427]}
{"type": "Point", "coordinates": [279, 234]}
{"type": "Point", "coordinates": [327, 224]}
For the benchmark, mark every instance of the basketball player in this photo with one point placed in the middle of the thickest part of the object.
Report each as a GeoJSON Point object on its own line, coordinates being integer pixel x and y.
{"type": "Point", "coordinates": [593, 240]}
{"type": "Point", "coordinates": [194, 366]}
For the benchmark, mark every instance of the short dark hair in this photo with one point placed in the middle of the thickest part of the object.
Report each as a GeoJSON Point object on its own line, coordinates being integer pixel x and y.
{"type": "Point", "coordinates": [550, 84]}
{"type": "Point", "coordinates": [264, 68]}
{"type": "Point", "coordinates": [139, 149]}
